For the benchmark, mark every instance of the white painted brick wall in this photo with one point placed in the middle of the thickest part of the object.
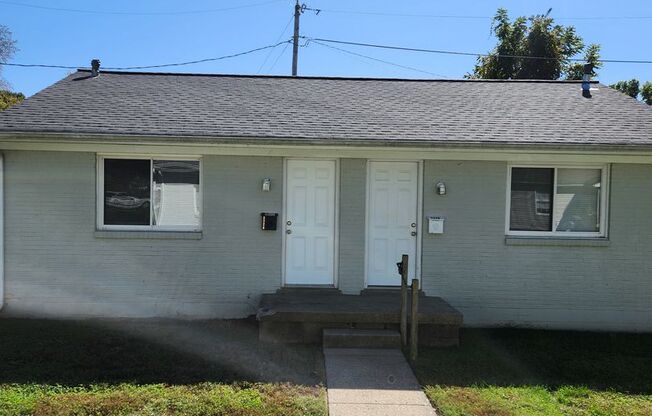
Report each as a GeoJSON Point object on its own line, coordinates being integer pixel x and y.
{"type": "Point", "coordinates": [605, 288]}
{"type": "Point", "coordinates": [353, 176]}
{"type": "Point", "coordinates": [55, 266]}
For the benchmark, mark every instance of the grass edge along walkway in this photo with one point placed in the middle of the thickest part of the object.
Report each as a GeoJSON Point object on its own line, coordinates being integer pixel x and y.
{"type": "Point", "coordinates": [130, 399]}
{"type": "Point", "coordinates": [535, 401]}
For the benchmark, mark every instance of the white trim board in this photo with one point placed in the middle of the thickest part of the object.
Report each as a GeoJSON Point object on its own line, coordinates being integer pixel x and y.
{"type": "Point", "coordinates": [524, 155]}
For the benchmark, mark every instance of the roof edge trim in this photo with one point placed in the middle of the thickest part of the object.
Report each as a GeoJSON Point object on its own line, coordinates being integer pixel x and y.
{"type": "Point", "coordinates": [334, 78]}
{"type": "Point", "coordinates": [305, 142]}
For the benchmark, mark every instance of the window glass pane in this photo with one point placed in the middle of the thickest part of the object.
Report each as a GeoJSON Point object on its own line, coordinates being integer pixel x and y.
{"type": "Point", "coordinates": [531, 199]}
{"type": "Point", "coordinates": [126, 191]}
{"type": "Point", "coordinates": [577, 201]}
{"type": "Point", "coordinates": [176, 193]}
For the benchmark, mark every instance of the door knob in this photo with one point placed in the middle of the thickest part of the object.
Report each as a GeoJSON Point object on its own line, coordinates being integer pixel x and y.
{"type": "Point", "coordinates": [413, 233]}
{"type": "Point", "coordinates": [289, 223]}
{"type": "Point", "coordinates": [288, 231]}
{"type": "Point", "coordinates": [413, 225]}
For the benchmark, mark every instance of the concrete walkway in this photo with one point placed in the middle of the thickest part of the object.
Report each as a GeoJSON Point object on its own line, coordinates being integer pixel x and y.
{"type": "Point", "coordinates": [373, 382]}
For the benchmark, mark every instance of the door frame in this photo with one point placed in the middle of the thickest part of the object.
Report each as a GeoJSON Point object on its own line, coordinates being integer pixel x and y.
{"type": "Point", "coordinates": [417, 260]}
{"type": "Point", "coordinates": [336, 231]}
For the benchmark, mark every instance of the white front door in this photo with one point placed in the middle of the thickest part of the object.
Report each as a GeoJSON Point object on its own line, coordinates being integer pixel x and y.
{"type": "Point", "coordinates": [391, 220]}
{"type": "Point", "coordinates": [310, 222]}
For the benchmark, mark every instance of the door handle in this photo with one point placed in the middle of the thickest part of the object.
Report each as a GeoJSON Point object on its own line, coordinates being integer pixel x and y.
{"type": "Point", "coordinates": [413, 233]}
{"type": "Point", "coordinates": [288, 231]}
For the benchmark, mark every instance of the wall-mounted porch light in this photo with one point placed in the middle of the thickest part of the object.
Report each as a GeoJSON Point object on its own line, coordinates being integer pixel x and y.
{"type": "Point", "coordinates": [440, 188]}
{"type": "Point", "coordinates": [267, 184]}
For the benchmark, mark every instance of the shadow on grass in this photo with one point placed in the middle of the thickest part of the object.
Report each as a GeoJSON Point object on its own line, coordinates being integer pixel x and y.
{"type": "Point", "coordinates": [518, 357]}
{"type": "Point", "coordinates": [148, 351]}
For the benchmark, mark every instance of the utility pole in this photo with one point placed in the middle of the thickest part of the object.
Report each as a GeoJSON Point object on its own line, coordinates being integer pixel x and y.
{"type": "Point", "coordinates": [295, 46]}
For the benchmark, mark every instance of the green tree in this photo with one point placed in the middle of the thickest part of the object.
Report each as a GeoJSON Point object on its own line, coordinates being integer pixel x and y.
{"type": "Point", "coordinates": [546, 49]}
{"type": "Point", "coordinates": [7, 50]}
{"type": "Point", "coordinates": [646, 92]}
{"type": "Point", "coordinates": [8, 98]}
{"type": "Point", "coordinates": [633, 89]}
{"type": "Point", "coordinates": [630, 87]}
{"type": "Point", "coordinates": [591, 56]}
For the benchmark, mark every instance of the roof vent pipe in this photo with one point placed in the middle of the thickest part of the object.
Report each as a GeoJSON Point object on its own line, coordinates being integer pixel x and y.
{"type": "Point", "coordinates": [586, 81]}
{"type": "Point", "coordinates": [95, 67]}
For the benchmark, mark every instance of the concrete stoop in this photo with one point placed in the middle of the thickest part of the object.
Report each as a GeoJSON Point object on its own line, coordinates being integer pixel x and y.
{"type": "Point", "coordinates": [299, 315]}
{"type": "Point", "coordinates": [360, 338]}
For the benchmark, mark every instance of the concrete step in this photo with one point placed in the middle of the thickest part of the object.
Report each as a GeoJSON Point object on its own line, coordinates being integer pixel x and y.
{"type": "Point", "coordinates": [388, 291]}
{"type": "Point", "coordinates": [308, 290]}
{"type": "Point", "coordinates": [361, 338]}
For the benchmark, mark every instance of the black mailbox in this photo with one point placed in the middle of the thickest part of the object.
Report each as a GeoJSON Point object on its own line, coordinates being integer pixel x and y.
{"type": "Point", "coordinates": [268, 220]}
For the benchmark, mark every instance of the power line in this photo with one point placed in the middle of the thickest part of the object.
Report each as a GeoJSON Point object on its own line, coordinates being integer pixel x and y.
{"type": "Point", "coordinates": [334, 11]}
{"type": "Point", "coordinates": [321, 42]}
{"type": "Point", "coordinates": [379, 60]}
{"type": "Point", "coordinates": [279, 56]}
{"type": "Point", "coordinates": [278, 39]}
{"type": "Point", "coordinates": [39, 65]}
{"type": "Point", "coordinates": [200, 60]}
{"type": "Point", "coordinates": [125, 68]}
{"type": "Point", "coordinates": [403, 14]}
{"type": "Point", "coordinates": [605, 18]}
{"type": "Point", "coordinates": [453, 16]}
{"type": "Point", "coordinates": [408, 49]}
{"type": "Point", "coordinates": [125, 13]}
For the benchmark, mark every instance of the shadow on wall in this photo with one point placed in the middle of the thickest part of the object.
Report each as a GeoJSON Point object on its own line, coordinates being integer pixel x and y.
{"type": "Point", "coordinates": [148, 351]}
{"type": "Point", "coordinates": [521, 357]}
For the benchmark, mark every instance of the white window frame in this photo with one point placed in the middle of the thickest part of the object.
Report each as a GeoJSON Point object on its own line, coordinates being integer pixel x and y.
{"type": "Point", "coordinates": [604, 201]}
{"type": "Point", "coordinates": [151, 227]}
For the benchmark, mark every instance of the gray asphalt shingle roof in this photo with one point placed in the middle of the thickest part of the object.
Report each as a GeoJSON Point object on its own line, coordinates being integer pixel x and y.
{"type": "Point", "coordinates": [332, 109]}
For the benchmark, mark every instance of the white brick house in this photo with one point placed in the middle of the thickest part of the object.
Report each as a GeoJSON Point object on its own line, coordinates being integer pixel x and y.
{"type": "Point", "coordinates": [140, 195]}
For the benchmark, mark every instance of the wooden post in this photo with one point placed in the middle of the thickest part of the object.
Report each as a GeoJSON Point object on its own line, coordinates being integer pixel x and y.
{"type": "Point", "coordinates": [414, 323]}
{"type": "Point", "coordinates": [404, 299]}
{"type": "Point", "coordinates": [295, 39]}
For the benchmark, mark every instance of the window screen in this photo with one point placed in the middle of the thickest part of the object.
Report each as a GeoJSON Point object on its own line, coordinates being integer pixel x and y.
{"type": "Point", "coordinates": [176, 192]}
{"type": "Point", "coordinates": [577, 200]}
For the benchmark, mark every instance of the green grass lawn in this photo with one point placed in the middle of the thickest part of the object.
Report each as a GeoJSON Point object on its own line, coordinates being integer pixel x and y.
{"type": "Point", "coordinates": [130, 368]}
{"type": "Point", "coordinates": [160, 399]}
{"type": "Point", "coordinates": [153, 368]}
{"type": "Point", "coordinates": [526, 372]}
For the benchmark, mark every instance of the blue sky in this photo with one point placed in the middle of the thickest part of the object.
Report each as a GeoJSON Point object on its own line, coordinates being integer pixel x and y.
{"type": "Point", "coordinates": [70, 38]}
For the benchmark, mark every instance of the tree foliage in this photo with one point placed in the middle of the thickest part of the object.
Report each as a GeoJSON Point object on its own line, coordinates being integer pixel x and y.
{"type": "Point", "coordinates": [630, 87]}
{"type": "Point", "coordinates": [8, 98]}
{"type": "Point", "coordinates": [7, 49]}
{"type": "Point", "coordinates": [534, 48]}
{"type": "Point", "coordinates": [633, 89]}
{"type": "Point", "coordinates": [575, 70]}
{"type": "Point", "coordinates": [646, 92]}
